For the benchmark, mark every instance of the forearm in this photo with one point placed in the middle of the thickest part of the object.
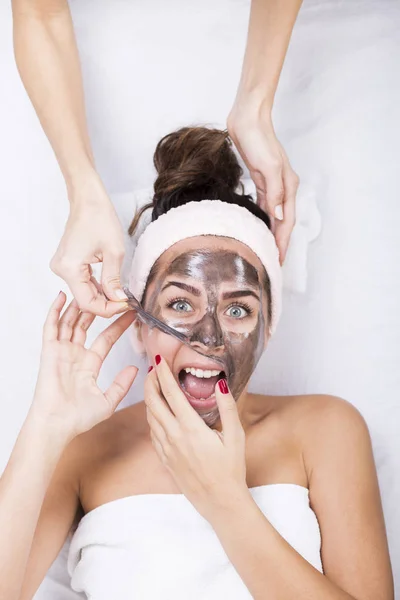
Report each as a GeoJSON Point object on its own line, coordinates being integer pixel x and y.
{"type": "Point", "coordinates": [23, 486]}
{"type": "Point", "coordinates": [270, 28]}
{"type": "Point", "coordinates": [265, 561]}
{"type": "Point", "coordinates": [48, 62]}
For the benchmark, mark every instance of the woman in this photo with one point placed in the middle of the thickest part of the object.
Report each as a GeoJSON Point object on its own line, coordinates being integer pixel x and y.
{"type": "Point", "coordinates": [203, 489]}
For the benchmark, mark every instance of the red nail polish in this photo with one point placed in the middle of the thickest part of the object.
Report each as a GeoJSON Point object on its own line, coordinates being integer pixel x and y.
{"type": "Point", "coordinates": [223, 386]}
{"type": "Point", "coordinates": [158, 359]}
{"type": "Point", "coordinates": [150, 368]}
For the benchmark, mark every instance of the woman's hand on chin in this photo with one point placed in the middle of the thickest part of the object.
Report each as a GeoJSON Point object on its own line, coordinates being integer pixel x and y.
{"type": "Point", "coordinates": [209, 467]}
{"type": "Point", "coordinates": [67, 397]}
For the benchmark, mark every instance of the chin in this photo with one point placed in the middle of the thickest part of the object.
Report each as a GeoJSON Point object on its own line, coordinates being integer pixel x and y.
{"type": "Point", "coordinates": [210, 418]}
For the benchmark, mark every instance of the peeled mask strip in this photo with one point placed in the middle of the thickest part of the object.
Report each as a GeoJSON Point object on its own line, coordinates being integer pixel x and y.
{"type": "Point", "coordinates": [151, 321]}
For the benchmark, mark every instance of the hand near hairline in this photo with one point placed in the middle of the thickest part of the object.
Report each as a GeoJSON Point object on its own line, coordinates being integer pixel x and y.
{"type": "Point", "coordinates": [251, 129]}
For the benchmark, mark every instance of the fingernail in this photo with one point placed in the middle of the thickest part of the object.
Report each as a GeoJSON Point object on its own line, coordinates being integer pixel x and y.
{"type": "Point", "coordinates": [121, 295]}
{"type": "Point", "coordinates": [279, 212]}
{"type": "Point", "coordinates": [158, 359]}
{"type": "Point", "coordinates": [223, 386]}
{"type": "Point", "coordinates": [150, 368]}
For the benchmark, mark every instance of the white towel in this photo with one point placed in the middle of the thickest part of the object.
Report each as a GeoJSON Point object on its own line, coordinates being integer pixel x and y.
{"type": "Point", "coordinates": [154, 546]}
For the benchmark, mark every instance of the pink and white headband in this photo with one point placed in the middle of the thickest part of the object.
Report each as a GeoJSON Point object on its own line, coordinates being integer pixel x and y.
{"type": "Point", "coordinates": [208, 217]}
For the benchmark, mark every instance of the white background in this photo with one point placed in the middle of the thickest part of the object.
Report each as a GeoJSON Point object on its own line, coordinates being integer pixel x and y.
{"type": "Point", "coordinates": [152, 66]}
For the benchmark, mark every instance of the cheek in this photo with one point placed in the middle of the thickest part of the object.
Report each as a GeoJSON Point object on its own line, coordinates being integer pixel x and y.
{"type": "Point", "coordinates": [246, 352]}
{"type": "Point", "coordinates": [157, 342]}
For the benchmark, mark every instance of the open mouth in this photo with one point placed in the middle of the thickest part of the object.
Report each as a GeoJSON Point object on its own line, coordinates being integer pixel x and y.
{"type": "Point", "coordinates": [199, 385]}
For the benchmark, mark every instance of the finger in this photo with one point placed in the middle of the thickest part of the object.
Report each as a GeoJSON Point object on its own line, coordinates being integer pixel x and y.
{"type": "Point", "coordinates": [105, 341]}
{"type": "Point", "coordinates": [158, 407]}
{"type": "Point", "coordinates": [284, 228]}
{"type": "Point", "coordinates": [81, 327]}
{"type": "Point", "coordinates": [157, 429]}
{"type": "Point", "coordinates": [173, 394]}
{"type": "Point", "coordinates": [50, 328]}
{"type": "Point", "coordinates": [110, 276]}
{"type": "Point", "coordinates": [113, 308]}
{"type": "Point", "coordinates": [228, 412]}
{"type": "Point", "coordinates": [275, 192]}
{"type": "Point", "coordinates": [261, 189]}
{"type": "Point", "coordinates": [87, 292]}
{"type": "Point", "coordinates": [219, 434]}
{"type": "Point", "coordinates": [158, 448]}
{"type": "Point", "coordinates": [67, 322]}
{"type": "Point", "coordinates": [120, 386]}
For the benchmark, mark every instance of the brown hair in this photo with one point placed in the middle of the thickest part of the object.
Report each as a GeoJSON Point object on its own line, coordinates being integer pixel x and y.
{"type": "Point", "coordinates": [193, 164]}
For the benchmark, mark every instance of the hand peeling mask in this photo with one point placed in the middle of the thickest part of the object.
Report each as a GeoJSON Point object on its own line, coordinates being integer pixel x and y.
{"type": "Point", "coordinates": [219, 300]}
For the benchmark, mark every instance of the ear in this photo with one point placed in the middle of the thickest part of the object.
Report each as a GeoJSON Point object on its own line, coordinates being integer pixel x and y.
{"type": "Point", "coordinates": [136, 336]}
{"type": "Point", "coordinates": [267, 337]}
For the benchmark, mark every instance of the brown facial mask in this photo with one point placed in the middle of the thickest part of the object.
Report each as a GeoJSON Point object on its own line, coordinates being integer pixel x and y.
{"type": "Point", "coordinates": [214, 299]}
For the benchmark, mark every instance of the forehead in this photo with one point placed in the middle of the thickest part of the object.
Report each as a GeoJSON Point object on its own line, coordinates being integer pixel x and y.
{"type": "Point", "coordinates": [213, 267]}
{"type": "Point", "coordinates": [213, 257]}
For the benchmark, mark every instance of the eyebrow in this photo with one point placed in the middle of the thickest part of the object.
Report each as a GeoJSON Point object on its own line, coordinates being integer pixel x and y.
{"type": "Point", "coordinates": [183, 286]}
{"type": "Point", "coordinates": [225, 296]}
{"type": "Point", "coordinates": [239, 294]}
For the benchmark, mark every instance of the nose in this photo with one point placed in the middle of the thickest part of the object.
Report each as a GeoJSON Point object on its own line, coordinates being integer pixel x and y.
{"type": "Point", "coordinates": [207, 334]}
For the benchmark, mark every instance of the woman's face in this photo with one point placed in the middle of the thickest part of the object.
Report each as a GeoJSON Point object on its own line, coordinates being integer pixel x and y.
{"type": "Point", "coordinates": [213, 290]}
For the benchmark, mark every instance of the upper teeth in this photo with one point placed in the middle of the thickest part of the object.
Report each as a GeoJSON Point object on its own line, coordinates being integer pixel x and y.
{"type": "Point", "coordinates": [201, 373]}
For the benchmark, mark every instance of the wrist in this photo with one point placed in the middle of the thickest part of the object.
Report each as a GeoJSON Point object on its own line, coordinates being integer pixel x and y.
{"type": "Point", "coordinates": [54, 432]}
{"type": "Point", "coordinates": [85, 187]}
{"type": "Point", "coordinates": [248, 110]}
{"type": "Point", "coordinates": [229, 505]}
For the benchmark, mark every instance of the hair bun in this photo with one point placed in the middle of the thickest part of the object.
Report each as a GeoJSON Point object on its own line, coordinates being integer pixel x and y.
{"type": "Point", "coordinates": [195, 163]}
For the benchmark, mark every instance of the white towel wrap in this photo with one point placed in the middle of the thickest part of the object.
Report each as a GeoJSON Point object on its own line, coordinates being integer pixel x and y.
{"type": "Point", "coordinates": [157, 546]}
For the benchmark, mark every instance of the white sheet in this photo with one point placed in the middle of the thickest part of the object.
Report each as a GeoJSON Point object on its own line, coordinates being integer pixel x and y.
{"type": "Point", "coordinates": [150, 67]}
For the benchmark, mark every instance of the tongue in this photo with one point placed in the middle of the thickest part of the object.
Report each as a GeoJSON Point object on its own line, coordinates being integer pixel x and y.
{"type": "Point", "coordinates": [199, 387]}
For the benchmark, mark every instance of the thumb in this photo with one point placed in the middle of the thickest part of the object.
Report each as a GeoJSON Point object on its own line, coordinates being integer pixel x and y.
{"type": "Point", "coordinates": [110, 277]}
{"type": "Point", "coordinates": [120, 386]}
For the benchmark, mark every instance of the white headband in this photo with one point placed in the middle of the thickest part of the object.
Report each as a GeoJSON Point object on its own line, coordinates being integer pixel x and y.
{"type": "Point", "coordinates": [208, 217]}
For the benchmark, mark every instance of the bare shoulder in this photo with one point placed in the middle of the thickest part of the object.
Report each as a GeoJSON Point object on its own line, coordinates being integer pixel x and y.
{"type": "Point", "coordinates": [344, 493]}
{"type": "Point", "coordinates": [312, 414]}
{"type": "Point", "coordinates": [316, 416]}
{"type": "Point", "coordinates": [329, 421]}
{"type": "Point", "coordinates": [316, 427]}
{"type": "Point", "coordinates": [335, 444]}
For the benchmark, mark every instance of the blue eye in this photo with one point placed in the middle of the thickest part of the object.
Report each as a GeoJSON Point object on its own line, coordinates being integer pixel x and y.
{"type": "Point", "coordinates": [181, 306]}
{"type": "Point", "coordinates": [237, 312]}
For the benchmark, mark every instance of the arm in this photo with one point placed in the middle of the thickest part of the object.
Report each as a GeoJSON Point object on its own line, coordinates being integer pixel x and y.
{"type": "Point", "coordinates": [48, 62]}
{"type": "Point", "coordinates": [38, 503]}
{"type": "Point", "coordinates": [345, 496]}
{"type": "Point", "coordinates": [250, 121]}
{"type": "Point", "coordinates": [270, 28]}
{"type": "Point", "coordinates": [38, 499]}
